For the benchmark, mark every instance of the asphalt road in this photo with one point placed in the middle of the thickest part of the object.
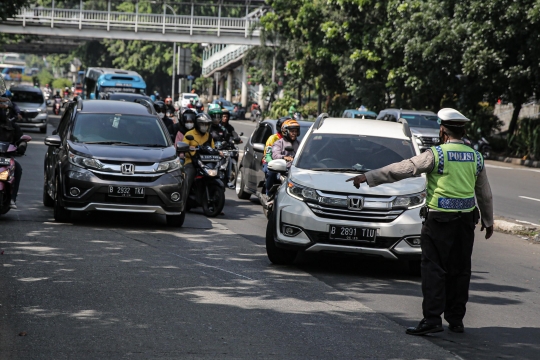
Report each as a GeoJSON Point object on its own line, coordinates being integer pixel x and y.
{"type": "Point", "coordinates": [126, 286]}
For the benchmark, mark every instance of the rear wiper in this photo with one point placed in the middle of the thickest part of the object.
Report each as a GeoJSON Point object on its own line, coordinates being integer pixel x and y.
{"type": "Point", "coordinates": [108, 143]}
{"type": "Point", "coordinates": [340, 169]}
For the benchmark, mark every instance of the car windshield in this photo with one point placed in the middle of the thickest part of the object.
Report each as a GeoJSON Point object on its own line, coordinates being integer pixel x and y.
{"type": "Point", "coordinates": [343, 152]}
{"type": "Point", "coordinates": [27, 97]}
{"type": "Point", "coordinates": [118, 129]}
{"type": "Point", "coordinates": [424, 121]}
{"type": "Point", "coordinates": [224, 103]}
{"type": "Point", "coordinates": [189, 97]}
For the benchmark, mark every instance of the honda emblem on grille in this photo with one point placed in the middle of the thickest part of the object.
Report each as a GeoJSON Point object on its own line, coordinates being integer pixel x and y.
{"type": "Point", "coordinates": [435, 140]}
{"type": "Point", "coordinates": [355, 202]}
{"type": "Point", "coordinates": [127, 169]}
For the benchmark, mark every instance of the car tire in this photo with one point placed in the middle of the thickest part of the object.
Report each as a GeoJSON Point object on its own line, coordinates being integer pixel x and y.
{"type": "Point", "coordinates": [240, 186]}
{"type": "Point", "coordinates": [47, 200]}
{"type": "Point", "coordinates": [60, 213]}
{"type": "Point", "coordinates": [415, 267]}
{"type": "Point", "coordinates": [176, 220]}
{"type": "Point", "coordinates": [276, 255]}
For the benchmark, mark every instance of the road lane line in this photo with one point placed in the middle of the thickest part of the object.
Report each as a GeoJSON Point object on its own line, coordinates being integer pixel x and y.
{"type": "Point", "coordinates": [529, 198]}
{"type": "Point", "coordinates": [527, 222]}
{"type": "Point", "coordinates": [509, 168]}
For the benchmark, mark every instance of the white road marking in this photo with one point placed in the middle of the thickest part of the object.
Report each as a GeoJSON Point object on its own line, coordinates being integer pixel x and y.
{"type": "Point", "coordinates": [511, 168]}
{"type": "Point", "coordinates": [529, 198]}
{"type": "Point", "coordinates": [527, 222]}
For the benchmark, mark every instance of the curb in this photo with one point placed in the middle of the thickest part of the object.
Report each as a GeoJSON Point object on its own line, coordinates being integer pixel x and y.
{"type": "Point", "coordinates": [517, 161]}
{"type": "Point", "coordinates": [526, 231]}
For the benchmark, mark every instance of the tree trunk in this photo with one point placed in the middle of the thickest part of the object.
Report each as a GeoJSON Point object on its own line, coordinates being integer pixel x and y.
{"type": "Point", "coordinates": [513, 123]}
{"type": "Point", "coordinates": [319, 103]}
{"type": "Point", "coordinates": [300, 94]}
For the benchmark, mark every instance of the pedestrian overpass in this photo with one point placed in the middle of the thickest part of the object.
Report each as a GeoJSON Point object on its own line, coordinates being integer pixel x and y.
{"type": "Point", "coordinates": [231, 22]}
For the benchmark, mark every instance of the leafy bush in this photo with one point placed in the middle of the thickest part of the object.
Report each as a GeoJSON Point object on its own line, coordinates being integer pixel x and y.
{"type": "Point", "coordinates": [483, 122]}
{"type": "Point", "coordinates": [61, 83]}
{"type": "Point", "coordinates": [281, 106]}
{"type": "Point", "coordinates": [525, 142]}
{"type": "Point", "coordinates": [309, 109]}
{"type": "Point", "coordinates": [45, 77]}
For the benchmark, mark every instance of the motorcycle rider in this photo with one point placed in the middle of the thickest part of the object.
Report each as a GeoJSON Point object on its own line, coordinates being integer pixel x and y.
{"type": "Point", "coordinates": [225, 117]}
{"type": "Point", "coordinates": [14, 106]}
{"type": "Point", "coordinates": [185, 124]}
{"type": "Point", "coordinates": [217, 131]}
{"type": "Point", "coordinates": [202, 139]}
{"type": "Point", "coordinates": [160, 109]}
{"type": "Point", "coordinates": [11, 132]}
{"type": "Point", "coordinates": [169, 107]}
{"type": "Point", "coordinates": [268, 147]}
{"type": "Point", "coordinates": [290, 131]}
{"type": "Point", "coordinates": [199, 107]}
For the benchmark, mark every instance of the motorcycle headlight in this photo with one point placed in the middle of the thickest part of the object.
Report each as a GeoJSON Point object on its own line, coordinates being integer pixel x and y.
{"type": "Point", "coordinates": [410, 201]}
{"type": "Point", "coordinates": [211, 172]}
{"type": "Point", "coordinates": [169, 165]}
{"type": "Point", "coordinates": [84, 162]}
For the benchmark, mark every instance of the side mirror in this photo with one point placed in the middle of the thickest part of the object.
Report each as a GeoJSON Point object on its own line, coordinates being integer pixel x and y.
{"type": "Point", "coordinates": [190, 137]}
{"type": "Point", "coordinates": [26, 138]}
{"type": "Point", "coordinates": [53, 140]}
{"type": "Point", "coordinates": [258, 147]}
{"type": "Point", "coordinates": [182, 146]}
{"type": "Point", "coordinates": [278, 165]}
{"type": "Point", "coordinates": [289, 148]}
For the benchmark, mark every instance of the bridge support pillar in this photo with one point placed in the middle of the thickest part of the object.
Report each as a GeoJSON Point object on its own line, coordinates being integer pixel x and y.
{"type": "Point", "coordinates": [244, 86]}
{"type": "Point", "coordinates": [261, 97]}
{"type": "Point", "coordinates": [229, 85]}
{"type": "Point", "coordinates": [221, 86]}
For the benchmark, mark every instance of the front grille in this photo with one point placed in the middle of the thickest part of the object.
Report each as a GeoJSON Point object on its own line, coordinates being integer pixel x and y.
{"type": "Point", "coordinates": [379, 243]}
{"type": "Point", "coordinates": [132, 178]}
{"type": "Point", "coordinates": [30, 114]}
{"type": "Point", "coordinates": [136, 163]}
{"type": "Point", "coordinates": [366, 215]}
{"type": "Point", "coordinates": [428, 141]}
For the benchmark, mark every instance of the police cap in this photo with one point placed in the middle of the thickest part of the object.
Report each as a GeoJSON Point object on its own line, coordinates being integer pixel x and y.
{"type": "Point", "coordinates": [451, 117]}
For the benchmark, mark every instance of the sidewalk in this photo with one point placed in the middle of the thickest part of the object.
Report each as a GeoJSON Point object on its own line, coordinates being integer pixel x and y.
{"type": "Point", "coordinates": [517, 161]}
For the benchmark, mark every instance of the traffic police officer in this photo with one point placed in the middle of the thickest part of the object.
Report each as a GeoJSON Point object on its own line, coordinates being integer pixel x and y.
{"type": "Point", "coordinates": [455, 174]}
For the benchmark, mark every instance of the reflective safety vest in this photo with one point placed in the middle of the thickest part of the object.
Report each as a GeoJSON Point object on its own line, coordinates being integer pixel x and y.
{"type": "Point", "coordinates": [451, 182]}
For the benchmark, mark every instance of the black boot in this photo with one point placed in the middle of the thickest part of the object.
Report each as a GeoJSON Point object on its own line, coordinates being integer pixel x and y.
{"type": "Point", "coordinates": [424, 328]}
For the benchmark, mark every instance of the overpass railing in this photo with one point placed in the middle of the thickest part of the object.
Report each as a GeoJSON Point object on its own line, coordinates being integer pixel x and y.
{"type": "Point", "coordinates": [137, 22]}
{"type": "Point", "coordinates": [222, 57]}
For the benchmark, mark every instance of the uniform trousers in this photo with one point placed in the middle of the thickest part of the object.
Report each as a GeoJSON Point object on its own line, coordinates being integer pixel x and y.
{"type": "Point", "coordinates": [447, 243]}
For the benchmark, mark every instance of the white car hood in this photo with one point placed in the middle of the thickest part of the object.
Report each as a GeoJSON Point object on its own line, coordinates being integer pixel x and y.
{"type": "Point", "coordinates": [335, 181]}
{"type": "Point", "coordinates": [425, 132]}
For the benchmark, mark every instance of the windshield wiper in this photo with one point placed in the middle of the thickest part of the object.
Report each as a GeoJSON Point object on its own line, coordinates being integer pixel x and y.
{"type": "Point", "coordinates": [152, 145]}
{"type": "Point", "coordinates": [340, 170]}
{"type": "Point", "coordinates": [108, 143]}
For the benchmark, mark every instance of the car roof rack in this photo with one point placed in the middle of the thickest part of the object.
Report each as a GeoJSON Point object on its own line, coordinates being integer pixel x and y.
{"type": "Point", "coordinates": [320, 119]}
{"type": "Point", "coordinates": [147, 105]}
{"type": "Point", "coordinates": [406, 128]}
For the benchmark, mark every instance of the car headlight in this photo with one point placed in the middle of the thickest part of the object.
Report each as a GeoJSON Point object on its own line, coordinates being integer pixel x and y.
{"type": "Point", "coordinates": [169, 165]}
{"type": "Point", "coordinates": [84, 162]}
{"type": "Point", "coordinates": [4, 175]}
{"type": "Point", "coordinates": [418, 140]}
{"type": "Point", "coordinates": [409, 201]}
{"type": "Point", "coordinates": [307, 194]}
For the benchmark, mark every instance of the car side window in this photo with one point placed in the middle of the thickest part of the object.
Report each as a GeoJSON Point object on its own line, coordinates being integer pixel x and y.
{"type": "Point", "coordinates": [64, 122]}
{"type": "Point", "coordinates": [257, 136]}
{"type": "Point", "coordinates": [267, 132]}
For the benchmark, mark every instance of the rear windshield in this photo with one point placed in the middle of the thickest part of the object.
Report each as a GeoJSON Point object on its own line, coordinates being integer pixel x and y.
{"type": "Point", "coordinates": [117, 129]}
{"type": "Point", "coordinates": [424, 121]}
{"type": "Point", "coordinates": [189, 97]}
{"type": "Point", "coordinates": [342, 151]}
{"type": "Point", "coordinates": [27, 97]}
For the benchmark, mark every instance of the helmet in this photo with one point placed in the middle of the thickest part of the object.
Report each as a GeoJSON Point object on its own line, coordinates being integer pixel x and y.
{"type": "Point", "coordinates": [288, 126]}
{"type": "Point", "coordinates": [57, 92]}
{"type": "Point", "coordinates": [159, 106]}
{"type": "Point", "coordinates": [189, 116]}
{"type": "Point", "coordinates": [215, 113]}
{"type": "Point", "coordinates": [199, 106]}
{"type": "Point", "coordinates": [225, 112]}
{"type": "Point", "coordinates": [202, 123]}
{"type": "Point", "coordinates": [168, 100]}
{"type": "Point", "coordinates": [66, 88]}
{"type": "Point", "coordinates": [451, 117]}
{"type": "Point", "coordinates": [280, 122]}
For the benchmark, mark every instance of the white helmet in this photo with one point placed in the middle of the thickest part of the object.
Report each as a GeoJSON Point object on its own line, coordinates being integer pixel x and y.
{"type": "Point", "coordinates": [452, 117]}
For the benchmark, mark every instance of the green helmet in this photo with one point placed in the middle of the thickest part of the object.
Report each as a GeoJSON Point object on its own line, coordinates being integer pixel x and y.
{"type": "Point", "coordinates": [214, 110]}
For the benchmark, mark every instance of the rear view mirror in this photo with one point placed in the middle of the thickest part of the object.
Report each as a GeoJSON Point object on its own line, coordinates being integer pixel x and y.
{"type": "Point", "coordinates": [258, 147]}
{"type": "Point", "coordinates": [53, 140]}
{"type": "Point", "coordinates": [278, 165]}
{"type": "Point", "coordinates": [190, 137]}
{"type": "Point", "coordinates": [182, 146]}
{"type": "Point", "coordinates": [289, 148]}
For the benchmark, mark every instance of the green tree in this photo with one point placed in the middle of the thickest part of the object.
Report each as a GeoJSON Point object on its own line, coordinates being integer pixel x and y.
{"type": "Point", "coordinates": [10, 7]}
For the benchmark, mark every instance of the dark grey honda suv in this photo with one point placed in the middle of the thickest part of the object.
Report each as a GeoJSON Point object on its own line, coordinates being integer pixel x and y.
{"type": "Point", "coordinates": [113, 156]}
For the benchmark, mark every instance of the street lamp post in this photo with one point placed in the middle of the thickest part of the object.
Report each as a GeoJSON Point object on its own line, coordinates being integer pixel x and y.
{"type": "Point", "coordinates": [165, 6]}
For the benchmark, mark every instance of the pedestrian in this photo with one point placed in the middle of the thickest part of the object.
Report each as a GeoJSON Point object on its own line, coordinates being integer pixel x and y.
{"type": "Point", "coordinates": [455, 174]}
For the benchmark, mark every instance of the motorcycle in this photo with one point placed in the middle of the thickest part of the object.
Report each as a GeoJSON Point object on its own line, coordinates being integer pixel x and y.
{"type": "Point", "coordinates": [7, 169]}
{"type": "Point", "coordinates": [279, 166]}
{"type": "Point", "coordinates": [230, 158]}
{"type": "Point", "coordinates": [256, 115]}
{"type": "Point", "coordinates": [208, 190]}
{"type": "Point", "coordinates": [483, 147]}
{"type": "Point", "coordinates": [57, 106]}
